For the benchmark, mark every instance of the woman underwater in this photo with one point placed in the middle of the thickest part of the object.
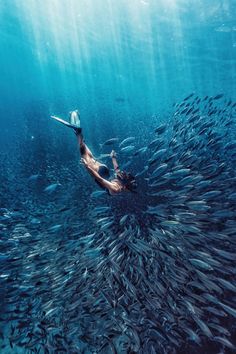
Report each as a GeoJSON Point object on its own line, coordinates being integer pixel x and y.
{"type": "Point", "coordinates": [121, 182]}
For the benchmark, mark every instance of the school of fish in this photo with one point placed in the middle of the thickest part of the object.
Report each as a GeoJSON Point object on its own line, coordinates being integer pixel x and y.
{"type": "Point", "coordinates": [146, 272]}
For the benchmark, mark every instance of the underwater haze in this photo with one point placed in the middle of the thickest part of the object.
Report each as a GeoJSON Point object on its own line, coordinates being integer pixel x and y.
{"type": "Point", "coordinates": [147, 272]}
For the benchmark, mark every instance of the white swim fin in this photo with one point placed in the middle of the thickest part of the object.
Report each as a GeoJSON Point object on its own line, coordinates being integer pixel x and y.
{"type": "Point", "coordinates": [69, 125]}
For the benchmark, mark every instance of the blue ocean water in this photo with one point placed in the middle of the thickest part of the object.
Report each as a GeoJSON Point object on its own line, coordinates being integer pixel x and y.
{"type": "Point", "coordinates": [149, 272]}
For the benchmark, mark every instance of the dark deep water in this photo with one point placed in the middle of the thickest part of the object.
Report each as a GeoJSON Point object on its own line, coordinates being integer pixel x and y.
{"type": "Point", "coordinates": [152, 272]}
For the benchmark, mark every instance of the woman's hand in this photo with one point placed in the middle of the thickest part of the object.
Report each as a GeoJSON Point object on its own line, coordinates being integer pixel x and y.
{"type": "Point", "coordinates": [84, 162]}
{"type": "Point", "coordinates": [87, 166]}
{"type": "Point", "coordinates": [113, 154]}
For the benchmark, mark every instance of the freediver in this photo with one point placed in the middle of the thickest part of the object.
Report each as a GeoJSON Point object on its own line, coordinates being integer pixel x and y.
{"type": "Point", "coordinates": [121, 182]}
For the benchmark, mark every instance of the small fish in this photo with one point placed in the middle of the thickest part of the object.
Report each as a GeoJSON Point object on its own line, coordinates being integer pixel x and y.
{"type": "Point", "coordinates": [155, 143]}
{"type": "Point", "coordinates": [184, 110]}
{"type": "Point", "coordinates": [108, 142]}
{"type": "Point", "coordinates": [55, 228]}
{"type": "Point", "coordinates": [127, 141]}
{"type": "Point", "coordinates": [52, 188]}
{"type": "Point", "coordinates": [189, 111]}
{"type": "Point", "coordinates": [102, 209]}
{"type": "Point", "coordinates": [193, 336]}
{"type": "Point", "coordinates": [225, 342]}
{"type": "Point", "coordinates": [205, 329]}
{"type": "Point", "coordinates": [188, 97]}
{"type": "Point", "coordinates": [211, 194]}
{"type": "Point", "coordinates": [123, 219]}
{"type": "Point", "coordinates": [159, 170]}
{"type": "Point", "coordinates": [97, 194]}
{"type": "Point", "coordinates": [101, 220]}
{"type": "Point", "coordinates": [217, 97]}
{"type": "Point", "coordinates": [198, 205]}
{"type": "Point", "coordinates": [200, 264]}
{"type": "Point", "coordinates": [160, 153]}
{"type": "Point", "coordinates": [161, 129]}
{"type": "Point", "coordinates": [35, 221]}
{"type": "Point", "coordinates": [182, 172]}
{"type": "Point", "coordinates": [140, 151]}
{"type": "Point", "coordinates": [127, 149]}
{"type": "Point", "coordinates": [51, 311]}
{"type": "Point", "coordinates": [215, 311]}
{"type": "Point", "coordinates": [34, 177]}
{"type": "Point", "coordinates": [107, 225]}
{"type": "Point", "coordinates": [103, 156]}
{"type": "Point", "coordinates": [228, 309]}
{"type": "Point", "coordinates": [220, 329]}
{"type": "Point", "coordinates": [225, 254]}
{"type": "Point", "coordinates": [142, 172]}
{"type": "Point", "coordinates": [170, 223]}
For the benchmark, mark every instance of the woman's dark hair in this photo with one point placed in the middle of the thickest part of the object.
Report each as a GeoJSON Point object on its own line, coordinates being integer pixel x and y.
{"type": "Point", "coordinates": [127, 180]}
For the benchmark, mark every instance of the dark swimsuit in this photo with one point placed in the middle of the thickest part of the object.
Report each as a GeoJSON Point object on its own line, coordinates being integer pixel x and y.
{"type": "Point", "coordinates": [104, 172]}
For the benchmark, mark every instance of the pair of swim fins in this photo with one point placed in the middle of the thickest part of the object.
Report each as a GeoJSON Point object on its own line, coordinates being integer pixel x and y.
{"type": "Point", "coordinates": [74, 121]}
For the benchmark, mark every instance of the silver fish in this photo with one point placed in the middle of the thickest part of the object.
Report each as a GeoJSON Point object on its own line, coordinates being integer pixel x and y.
{"type": "Point", "coordinates": [52, 188]}
{"type": "Point", "coordinates": [127, 141]}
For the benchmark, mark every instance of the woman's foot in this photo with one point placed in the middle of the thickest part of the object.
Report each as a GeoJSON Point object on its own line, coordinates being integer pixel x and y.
{"type": "Point", "coordinates": [75, 121]}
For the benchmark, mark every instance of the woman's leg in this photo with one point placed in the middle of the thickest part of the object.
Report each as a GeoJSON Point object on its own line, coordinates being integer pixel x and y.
{"type": "Point", "coordinates": [87, 154]}
{"type": "Point", "coordinates": [84, 150]}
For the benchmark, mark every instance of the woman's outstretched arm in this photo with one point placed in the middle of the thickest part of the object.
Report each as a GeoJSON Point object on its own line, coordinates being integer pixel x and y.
{"type": "Point", "coordinates": [114, 161]}
{"type": "Point", "coordinates": [106, 184]}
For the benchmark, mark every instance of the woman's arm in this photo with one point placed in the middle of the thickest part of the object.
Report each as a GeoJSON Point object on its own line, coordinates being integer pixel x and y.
{"type": "Point", "coordinates": [114, 161]}
{"type": "Point", "coordinates": [102, 181]}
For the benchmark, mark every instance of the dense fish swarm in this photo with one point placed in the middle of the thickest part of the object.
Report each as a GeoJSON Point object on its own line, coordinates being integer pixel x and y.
{"type": "Point", "coordinates": [154, 272]}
